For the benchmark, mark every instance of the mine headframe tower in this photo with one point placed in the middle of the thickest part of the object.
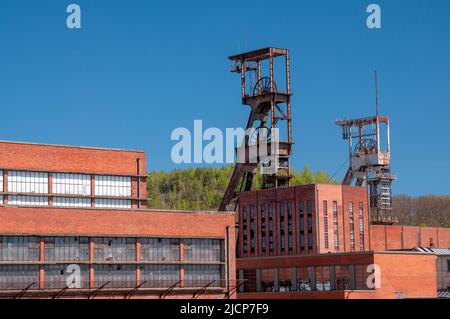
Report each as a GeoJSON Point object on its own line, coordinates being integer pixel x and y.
{"type": "Point", "coordinates": [370, 158]}
{"type": "Point", "coordinates": [269, 98]}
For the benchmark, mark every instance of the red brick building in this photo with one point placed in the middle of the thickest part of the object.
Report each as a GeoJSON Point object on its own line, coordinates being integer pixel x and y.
{"type": "Point", "coordinates": [340, 276]}
{"type": "Point", "coordinates": [75, 224]}
{"type": "Point", "coordinates": [316, 219]}
{"type": "Point", "coordinates": [299, 220]}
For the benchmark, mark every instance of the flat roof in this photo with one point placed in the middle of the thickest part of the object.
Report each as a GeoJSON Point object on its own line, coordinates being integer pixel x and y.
{"type": "Point", "coordinates": [72, 146]}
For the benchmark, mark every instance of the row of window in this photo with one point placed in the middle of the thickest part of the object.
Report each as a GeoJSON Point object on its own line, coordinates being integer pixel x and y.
{"type": "Point", "coordinates": [266, 226]}
{"type": "Point", "coordinates": [26, 248]}
{"type": "Point", "coordinates": [25, 200]}
{"type": "Point", "coordinates": [67, 184]}
{"type": "Point", "coordinates": [286, 212]}
{"type": "Point", "coordinates": [114, 276]}
{"type": "Point", "coordinates": [320, 278]}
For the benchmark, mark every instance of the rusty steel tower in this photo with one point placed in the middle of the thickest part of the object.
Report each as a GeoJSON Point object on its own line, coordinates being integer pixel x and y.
{"type": "Point", "coordinates": [370, 158]}
{"type": "Point", "coordinates": [269, 98]}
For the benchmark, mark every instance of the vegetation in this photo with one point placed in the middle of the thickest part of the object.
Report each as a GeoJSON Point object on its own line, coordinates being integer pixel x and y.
{"type": "Point", "coordinates": [203, 188]}
{"type": "Point", "coordinates": [429, 210]}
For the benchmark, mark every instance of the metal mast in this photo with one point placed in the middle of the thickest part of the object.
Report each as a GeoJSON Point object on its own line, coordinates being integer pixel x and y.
{"type": "Point", "coordinates": [370, 158]}
{"type": "Point", "coordinates": [270, 119]}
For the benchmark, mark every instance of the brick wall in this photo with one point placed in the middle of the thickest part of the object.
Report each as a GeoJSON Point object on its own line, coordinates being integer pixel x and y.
{"type": "Point", "coordinates": [407, 237]}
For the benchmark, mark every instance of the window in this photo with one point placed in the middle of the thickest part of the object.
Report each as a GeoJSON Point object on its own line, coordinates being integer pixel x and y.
{"type": "Point", "coordinates": [282, 243]}
{"type": "Point", "coordinates": [263, 228]}
{"type": "Point", "coordinates": [202, 275]}
{"type": "Point", "coordinates": [325, 223]}
{"type": "Point", "coordinates": [115, 276]}
{"type": "Point", "coordinates": [270, 214]}
{"type": "Point", "coordinates": [71, 202]}
{"type": "Point", "coordinates": [335, 226]}
{"type": "Point", "coordinates": [66, 248]}
{"type": "Point", "coordinates": [71, 184]}
{"type": "Point", "coordinates": [244, 229]}
{"type": "Point", "coordinates": [156, 276]}
{"type": "Point", "coordinates": [352, 225]}
{"type": "Point", "coordinates": [112, 203]}
{"type": "Point", "coordinates": [448, 265]}
{"type": "Point", "coordinates": [289, 211]}
{"type": "Point", "coordinates": [252, 229]}
{"type": "Point", "coordinates": [1, 187]}
{"type": "Point", "coordinates": [108, 249]}
{"type": "Point", "coordinates": [305, 279]}
{"type": "Point", "coordinates": [56, 276]}
{"type": "Point", "coordinates": [204, 250]}
{"type": "Point", "coordinates": [361, 225]}
{"type": "Point", "coordinates": [301, 209]}
{"type": "Point", "coordinates": [19, 276]}
{"type": "Point", "coordinates": [119, 186]}
{"type": "Point", "coordinates": [27, 182]}
{"type": "Point", "coordinates": [323, 278]}
{"type": "Point", "coordinates": [19, 248]}
{"type": "Point", "coordinates": [28, 200]}
{"type": "Point", "coordinates": [309, 217]}
{"type": "Point", "coordinates": [160, 249]}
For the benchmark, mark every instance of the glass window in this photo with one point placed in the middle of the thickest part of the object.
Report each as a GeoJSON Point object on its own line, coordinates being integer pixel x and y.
{"type": "Point", "coordinates": [305, 278]}
{"type": "Point", "coordinates": [19, 276]}
{"type": "Point", "coordinates": [71, 202]}
{"type": "Point", "coordinates": [352, 225]}
{"type": "Point", "coordinates": [160, 249]}
{"type": "Point", "coordinates": [112, 203]}
{"type": "Point", "coordinates": [159, 275]}
{"type": "Point", "coordinates": [286, 281]}
{"type": "Point", "coordinates": [270, 214]}
{"type": "Point", "coordinates": [361, 225]}
{"type": "Point", "coordinates": [325, 223]}
{"type": "Point", "coordinates": [268, 280]}
{"type": "Point", "coordinates": [289, 212]}
{"type": "Point", "coordinates": [323, 278]}
{"type": "Point", "coordinates": [252, 229]}
{"type": "Point", "coordinates": [342, 278]}
{"type": "Point", "coordinates": [244, 229]}
{"type": "Point", "coordinates": [19, 248]}
{"type": "Point", "coordinates": [113, 248]}
{"type": "Point", "coordinates": [61, 275]}
{"type": "Point", "coordinates": [112, 186]}
{"type": "Point", "coordinates": [27, 182]}
{"type": "Point", "coordinates": [203, 250]}
{"type": "Point", "coordinates": [1, 187]}
{"type": "Point", "coordinates": [201, 275]}
{"type": "Point", "coordinates": [21, 200]}
{"type": "Point", "coordinates": [335, 226]}
{"type": "Point", "coordinates": [66, 248]}
{"type": "Point", "coordinates": [71, 184]}
{"type": "Point", "coordinates": [115, 276]}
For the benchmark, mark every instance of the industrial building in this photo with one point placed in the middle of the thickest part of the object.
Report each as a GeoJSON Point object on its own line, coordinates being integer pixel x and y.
{"type": "Point", "coordinates": [318, 238]}
{"type": "Point", "coordinates": [75, 224]}
{"type": "Point", "coordinates": [340, 276]}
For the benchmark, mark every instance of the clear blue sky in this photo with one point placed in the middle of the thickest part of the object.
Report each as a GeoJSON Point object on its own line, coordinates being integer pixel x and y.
{"type": "Point", "coordinates": [138, 69]}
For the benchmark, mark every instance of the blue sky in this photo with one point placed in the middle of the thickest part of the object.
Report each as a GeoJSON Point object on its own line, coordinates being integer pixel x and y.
{"type": "Point", "coordinates": [138, 69]}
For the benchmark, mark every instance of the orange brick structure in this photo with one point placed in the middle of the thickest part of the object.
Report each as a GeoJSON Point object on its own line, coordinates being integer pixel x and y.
{"type": "Point", "coordinates": [313, 219]}
{"type": "Point", "coordinates": [307, 219]}
{"type": "Point", "coordinates": [75, 225]}
{"type": "Point", "coordinates": [408, 237]}
{"type": "Point", "coordinates": [340, 276]}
